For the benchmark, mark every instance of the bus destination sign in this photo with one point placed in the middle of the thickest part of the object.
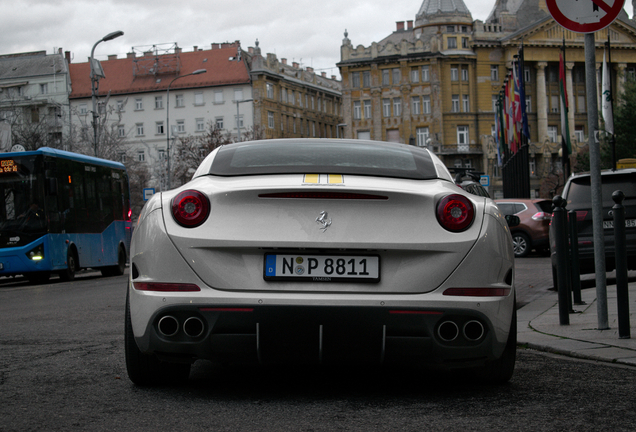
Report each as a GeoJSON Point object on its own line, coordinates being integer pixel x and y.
{"type": "Point", "coordinates": [8, 165]}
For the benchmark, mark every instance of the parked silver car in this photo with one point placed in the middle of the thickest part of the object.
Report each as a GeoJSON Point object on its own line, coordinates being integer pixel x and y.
{"type": "Point", "coordinates": [320, 251]}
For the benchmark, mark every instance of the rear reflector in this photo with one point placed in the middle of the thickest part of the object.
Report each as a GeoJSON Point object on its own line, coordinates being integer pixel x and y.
{"type": "Point", "coordinates": [415, 312]}
{"type": "Point", "coordinates": [324, 195]}
{"type": "Point", "coordinates": [477, 292]}
{"type": "Point", "coordinates": [165, 287]}
{"type": "Point", "coordinates": [580, 215]}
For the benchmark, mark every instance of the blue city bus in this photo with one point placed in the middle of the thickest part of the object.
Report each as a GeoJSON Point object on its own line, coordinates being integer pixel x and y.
{"type": "Point", "coordinates": [61, 212]}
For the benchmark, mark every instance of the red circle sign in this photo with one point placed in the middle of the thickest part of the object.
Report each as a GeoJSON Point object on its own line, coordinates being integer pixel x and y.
{"type": "Point", "coordinates": [585, 16]}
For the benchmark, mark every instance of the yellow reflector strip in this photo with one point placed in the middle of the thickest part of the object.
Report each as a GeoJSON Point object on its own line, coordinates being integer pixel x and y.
{"type": "Point", "coordinates": [335, 178]}
{"type": "Point", "coordinates": [312, 178]}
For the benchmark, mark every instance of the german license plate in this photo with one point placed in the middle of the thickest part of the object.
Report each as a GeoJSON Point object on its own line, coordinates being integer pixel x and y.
{"type": "Point", "coordinates": [629, 223]}
{"type": "Point", "coordinates": [322, 268]}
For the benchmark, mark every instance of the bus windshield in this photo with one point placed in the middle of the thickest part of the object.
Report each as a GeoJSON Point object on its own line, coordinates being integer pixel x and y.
{"type": "Point", "coordinates": [22, 215]}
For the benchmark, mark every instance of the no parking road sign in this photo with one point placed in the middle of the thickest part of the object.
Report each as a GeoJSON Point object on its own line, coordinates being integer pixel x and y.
{"type": "Point", "coordinates": [585, 16]}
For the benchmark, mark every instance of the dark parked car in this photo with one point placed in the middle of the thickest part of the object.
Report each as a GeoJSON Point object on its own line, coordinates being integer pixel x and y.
{"type": "Point", "coordinates": [533, 230]}
{"type": "Point", "coordinates": [577, 192]}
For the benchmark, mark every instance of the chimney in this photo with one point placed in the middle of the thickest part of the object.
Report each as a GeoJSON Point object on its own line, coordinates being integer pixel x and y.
{"type": "Point", "coordinates": [333, 77]}
{"type": "Point", "coordinates": [310, 69]}
{"type": "Point", "coordinates": [409, 24]}
{"type": "Point", "coordinates": [177, 50]}
{"type": "Point", "coordinates": [400, 26]}
{"type": "Point", "coordinates": [67, 54]}
{"type": "Point", "coordinates": [130, 55]}
{"type": "Point", "coordinates": [250, 50]}
{"type": "Point", "coordinates": [196, 48]}
{"type": "Point", "coordinates": [112, 57]}
{"type": "Point", "coordinates": [295, 65]}
{"type": "Point", "coordinates": [284, 61]}
{"type": "Point", "coordinates": [324, 74]}
{"type": "Point", "coordinates": [59, 50]}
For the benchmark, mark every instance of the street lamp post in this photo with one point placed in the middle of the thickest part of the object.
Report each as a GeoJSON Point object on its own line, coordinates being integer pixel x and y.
{"type": "Point", "coordinates": [95, 82]}
{"type": "Point", "coordinates": [238, 123]}
{"type": "Point", "coordinates": [196, 72]}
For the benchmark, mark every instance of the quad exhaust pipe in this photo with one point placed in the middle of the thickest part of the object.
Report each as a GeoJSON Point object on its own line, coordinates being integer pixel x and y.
{"type": "Point", "coordinates": [169, 326]}
{"type": "Point", "coordinates": [472, 331]}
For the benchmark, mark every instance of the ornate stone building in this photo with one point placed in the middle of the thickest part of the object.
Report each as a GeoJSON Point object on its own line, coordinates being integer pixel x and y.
{"type": "Point", "coordinates": [434, 81]}
{"type": "Point", "coordinates": [291, 101]}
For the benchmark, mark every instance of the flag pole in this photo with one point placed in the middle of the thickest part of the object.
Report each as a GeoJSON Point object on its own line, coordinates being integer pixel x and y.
{"type": "Point", "coordinates": [564, 122]}
{"type": "Point", "coordinates": [611, 100]}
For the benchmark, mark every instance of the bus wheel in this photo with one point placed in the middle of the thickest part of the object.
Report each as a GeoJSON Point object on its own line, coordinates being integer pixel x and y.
{"type": "Point", "coordinates": [116, 270]}
{"type": "Point", "coordinates": [68, 274]}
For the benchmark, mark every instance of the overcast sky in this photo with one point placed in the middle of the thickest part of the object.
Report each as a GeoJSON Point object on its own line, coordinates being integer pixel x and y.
{"type": "Point", "coordinates": [308, 32]}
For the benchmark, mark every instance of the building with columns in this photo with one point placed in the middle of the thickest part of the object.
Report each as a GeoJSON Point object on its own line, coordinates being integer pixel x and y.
{"type": "Point", "coordinates": [434, 82]}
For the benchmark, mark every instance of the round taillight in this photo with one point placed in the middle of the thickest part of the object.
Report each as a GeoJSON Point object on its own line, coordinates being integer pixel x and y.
{"type": "Point", "coordinates": [190, 208]}
{"type": "Point", "coordinates": [455, 212]}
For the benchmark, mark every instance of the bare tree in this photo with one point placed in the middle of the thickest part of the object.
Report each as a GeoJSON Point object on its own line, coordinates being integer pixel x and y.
{"type": "Point", "coordinates": [34, 125]}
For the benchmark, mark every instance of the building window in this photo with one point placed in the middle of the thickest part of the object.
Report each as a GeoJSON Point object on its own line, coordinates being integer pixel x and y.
{"type": "Point", "coordinates": [528, 104]}
{"type": "Point", "coordinates": [366, 79]}
{"type": "Point", "coordinates": [425, 75]}
{"type": "Point", "coordinates": [179, 101]}
{"type": "Point", "coordinates": [238, 121]}
{"type": "Point", "coordinates": [44, 88]}
{"type": "Point", "coordinates": [180, 126]}
{"type": "Point", "coordinates": [454, 73]}
{"type": "Point", "coordinates": [426, 104]}
{"type": "Point", "coordinates": [464, 29]}
{"type": "Point", "coordinates": [494, 73]}
{"type": "Point", "coordinates": [158, 102]}
{"type": "Point", "coordinates": [450, 29]}
{"type": "Point", "coordinates": [83, 109]}
{"type": "Point", "coordinates": [581, 106]}
{"type": "Point", "coordinates": [218, 97]}
{"type": "Point", "coordinates": [356, 110]}
{"type": "Point", "coordinates": [386, 77]}
{"type": "Point", "coordinates": [462, 135]}
{"type": "Point", "coordinates": [367, 109]}
{"type": "Point", "coordinates": [238, 94]}
{"type": "Point", "coordinates": [532, 164]}
{"type": "Point", "coordinates": [355, 79]}
{"type": "Point", "coordinates": [218, 123]}
{"type": "Point", "coordinates": [139, 104]}
{"type": "Point", "coordinates": [270, 119]}
{"type": "Point", "coordinates": [162, 154]}
{"type": "Point", "coordinates": [455, 103]}
{"type": "Point", "coordinates": [121, 131]}
{"type": "Point", "coordinates": [159, 128]}
{"type": "Point", "coordinates": [122, 157]}
{"type": "Point", "coordinates": [526, 74]}
{"type": "Point", "coordinates": [120, 105]}
{"type": "Point", "coordinates": [465, 73]}
{"type": "Point", "coordinates": [415, 105]}
{"type": "Point", "coordinates": [555, 104]}
{"type": "Point", "coordinates": [386, 107]}
{"type": "Point", "coordinates": [396, 75]}
{"type": "Point", "coordinates": [579, 133]}
{"type": "Point", "coordinates": [465, 42]}
{"type": "Point", "coordinates": [415, 75]}
{"type": "Point", "coordinates": [141, 156]}
{"type": "Point", "coordinates": [465, 103]}
{"type": "Point", "coordinates": [200, 125]}
{"type": "Point", "coordinates": [140, 129]}
{"type": "Point", "coordinates": [552, 133]}
{"type": "Point", "coordinates": [452, 42]}
{"type": "Point", "coordinates": [397, 107]}
{"type": "Point", "coordinates": [495, 100]}
{"type": "Point", "coordinates": [198, 98]}
{"type": "Point", "coordinates": [270, 90]}
{"type": "Point", "coordinates": [422, 136]}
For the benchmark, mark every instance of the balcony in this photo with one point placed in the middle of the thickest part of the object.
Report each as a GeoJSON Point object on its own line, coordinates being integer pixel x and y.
{"type": "Point", "coordinates": [462, 149]}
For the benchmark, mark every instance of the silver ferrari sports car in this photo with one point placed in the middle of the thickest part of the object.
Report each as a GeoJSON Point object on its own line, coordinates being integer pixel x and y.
{"type": "Point", "coordinates": [320, 251]}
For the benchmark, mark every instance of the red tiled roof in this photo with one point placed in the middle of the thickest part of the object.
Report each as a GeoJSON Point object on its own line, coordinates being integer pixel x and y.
{"type": "Point", "coordinates": [120, 78]}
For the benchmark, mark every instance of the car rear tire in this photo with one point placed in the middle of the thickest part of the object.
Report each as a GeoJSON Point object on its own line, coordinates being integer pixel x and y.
{"type": "Point", "coordinates": [116, 270]}
{"type": "Point", "coordinates": [500, 371]}
{"type": "Point", "coordinates": [147, 369]}
{"type": "Point", "coordinates": [520, 244]}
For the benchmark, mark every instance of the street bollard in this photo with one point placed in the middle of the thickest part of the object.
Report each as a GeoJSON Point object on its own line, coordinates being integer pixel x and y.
{"type": "Point", "coordinates": [561, 244]}
{"type": "Point", "coordinates": [622, 293]}
{"type": "Point", "coordinates": [575, 269]}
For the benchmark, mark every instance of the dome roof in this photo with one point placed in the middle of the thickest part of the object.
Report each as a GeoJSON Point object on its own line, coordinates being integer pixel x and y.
{"type": "Point", "coordinates": [433, 11]}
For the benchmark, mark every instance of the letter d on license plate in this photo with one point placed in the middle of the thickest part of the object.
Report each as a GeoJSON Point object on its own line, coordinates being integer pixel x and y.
{"type": "Point", "coordinates": [322, 268]}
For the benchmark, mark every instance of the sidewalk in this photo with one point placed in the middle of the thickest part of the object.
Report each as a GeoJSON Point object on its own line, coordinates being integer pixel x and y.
{"type": "Point", "coordinates": [539, 328]}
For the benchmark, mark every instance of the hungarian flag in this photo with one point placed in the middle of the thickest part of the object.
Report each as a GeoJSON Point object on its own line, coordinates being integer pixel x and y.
{"type": "Point", "coordinates": [565, 129]}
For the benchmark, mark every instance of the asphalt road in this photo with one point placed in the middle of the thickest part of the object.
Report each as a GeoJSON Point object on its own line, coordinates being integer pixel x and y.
{"type": "Point", "coordinates": [62, 369]}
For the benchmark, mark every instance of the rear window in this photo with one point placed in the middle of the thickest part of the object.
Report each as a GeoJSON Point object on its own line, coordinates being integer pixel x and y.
{"type": "Point", "coordinates": [324, 157]}
{"type": "Point", "coordinates": [580, 195]}
{"type": "Point", "coordinates": [544, 206]}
